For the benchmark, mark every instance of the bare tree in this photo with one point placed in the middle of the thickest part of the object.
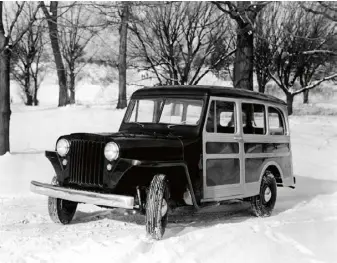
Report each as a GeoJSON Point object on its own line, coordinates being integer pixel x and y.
{"type": "Point", "coordinates": [7, 41]}
{"type": "Point", "coordinates": [123, 32]}
{"type": "Point", "coordinates": [74, 37]}
{"type": "Point", "coordinates": [325, 9]}
{"type": "Point", "coordinates": [267, 37]}
{"type": "Point", "coordinates": [25, 64]}
{"type": "Point", "coordinates": [244, 13]}
{"type": "Point", "coordinates": [180, 42]}
{"type": "Point", "coordinates": [52, 17]}
{"type": "Point", "coordinates": [301, 51]}
{"type": "Point", "coordinates": [117, 14]}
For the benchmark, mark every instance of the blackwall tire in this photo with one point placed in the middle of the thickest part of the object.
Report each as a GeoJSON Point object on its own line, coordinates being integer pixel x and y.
{"type": "Point", "coordinates": [263, 203]}
{"type": "Point", "coordinates": [157, 207]}
{"type": "Point", "coordinates": [61, 211]}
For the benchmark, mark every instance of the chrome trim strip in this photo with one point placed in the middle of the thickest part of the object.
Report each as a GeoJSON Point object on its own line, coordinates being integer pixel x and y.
{"type": "Point", "coordinates": [266, 155]}
{"type": "Point", "coordinates": [87, 197]}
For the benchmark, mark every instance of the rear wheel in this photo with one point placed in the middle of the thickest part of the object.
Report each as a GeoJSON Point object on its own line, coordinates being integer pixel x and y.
{"type": "Point", "coordinates": [61, 211]}
{"type": "Point", "coordinates": [157, 207]}
{"type": "Point", "coordinates": [263, 203]}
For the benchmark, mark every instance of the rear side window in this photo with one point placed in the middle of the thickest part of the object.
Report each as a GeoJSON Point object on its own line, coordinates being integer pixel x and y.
{"type": "Point", "coordinates": [253, 118]}
{"type": "Point", "coordinates": [221, 117]}
{"type": "Point", "coordinates": [276, 123]}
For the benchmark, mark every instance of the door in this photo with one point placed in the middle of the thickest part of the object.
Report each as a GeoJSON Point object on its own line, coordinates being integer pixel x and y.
{"type": "Point", "coordinates": [222, 151]}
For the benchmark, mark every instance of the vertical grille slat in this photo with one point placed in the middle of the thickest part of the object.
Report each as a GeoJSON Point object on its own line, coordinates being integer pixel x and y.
{"type": "Point", "coordinates": [80, 158]}
{"type": "Point", "coordinates": [97, 161]}
{"type": "Point", "coordinates": [73, 160]}
{"type": "Point", "coordinates": [74, 164]}
{"type": "Point", "coordinates": [78, 163]}
{"type": "Point", "coordinates": [86, 163]}
{"type": "Point", "coordinates": [83, 151]}
{"type": "Point", "coordinates": [96, 172]}
{"type": "Point", "coordinates": [90, 177]}
{"type": "Point", "coordinates": [101, 164]}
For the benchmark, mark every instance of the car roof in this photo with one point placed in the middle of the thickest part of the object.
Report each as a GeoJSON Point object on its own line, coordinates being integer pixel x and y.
{"type": "Point", "coordinates": [199, 90]}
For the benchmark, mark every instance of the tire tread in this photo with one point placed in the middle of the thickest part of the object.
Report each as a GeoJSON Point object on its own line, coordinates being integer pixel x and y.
{"type": "Point", "coordinates": [158, 190]}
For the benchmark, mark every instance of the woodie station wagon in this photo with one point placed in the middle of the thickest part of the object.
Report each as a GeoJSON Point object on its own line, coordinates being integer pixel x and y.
{"type": "Point", "coordinates": [208, 143]}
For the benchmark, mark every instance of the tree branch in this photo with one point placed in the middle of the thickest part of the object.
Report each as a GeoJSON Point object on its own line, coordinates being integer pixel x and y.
{"type": "Point", "coordinates": [313, 52]}
{"type": "Point", "coordinates": [31, 21]}
{"type": "Point", "coordinates": [285, 90]}
{"type": "Point", "coordinates": [314, 84]}
{"type": "Point", "coordinates": [17, 14]}
{"type": "Point", "coordinates": [318, 12]}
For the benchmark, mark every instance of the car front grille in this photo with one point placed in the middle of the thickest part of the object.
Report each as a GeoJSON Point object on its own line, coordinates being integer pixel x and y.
{"type": "Point", "coordinates": [86, 163]}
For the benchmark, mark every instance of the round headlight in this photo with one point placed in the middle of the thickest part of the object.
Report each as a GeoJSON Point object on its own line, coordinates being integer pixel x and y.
{"type": "Point", "coordinates": [62, 147]}
{"type": "Point", "coordinates": [111, 151]}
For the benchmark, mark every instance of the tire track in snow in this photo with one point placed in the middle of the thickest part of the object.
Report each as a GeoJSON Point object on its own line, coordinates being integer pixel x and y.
{"type": "Point", "coordinates": [283, 239]}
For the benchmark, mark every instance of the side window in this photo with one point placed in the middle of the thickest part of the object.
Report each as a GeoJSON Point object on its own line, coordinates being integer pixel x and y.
{"type": "Point", "coordinates": [276, 123]}
{"type": "Point", "coordinates": [253, 118]}
{"type": "Point", "coordinates": [225, 112]}
{"type": "Point", "coordinates": [221, 118]}
{"type": "Point", "coordinates": [210, 125]}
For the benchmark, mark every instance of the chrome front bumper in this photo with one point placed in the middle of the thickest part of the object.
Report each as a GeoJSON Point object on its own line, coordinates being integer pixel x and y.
{"type": "Point", "coordinates": [79, 196]}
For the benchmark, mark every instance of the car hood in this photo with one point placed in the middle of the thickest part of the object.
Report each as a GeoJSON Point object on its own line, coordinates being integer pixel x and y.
{"type": "Point", "coordinates": [147, 147]}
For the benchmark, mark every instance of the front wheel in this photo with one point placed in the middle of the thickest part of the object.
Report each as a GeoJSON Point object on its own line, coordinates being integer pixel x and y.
{"type": "Point", "coordinates": [157, 207]}
{"type": "Point", "coordinates": [263, 203]}
{"type": "Point", "coordinates": [61, 211]}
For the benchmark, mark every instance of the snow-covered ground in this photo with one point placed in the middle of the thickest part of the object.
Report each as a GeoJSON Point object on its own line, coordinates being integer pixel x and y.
{"type": "Point", "coordinates": [303, 227]}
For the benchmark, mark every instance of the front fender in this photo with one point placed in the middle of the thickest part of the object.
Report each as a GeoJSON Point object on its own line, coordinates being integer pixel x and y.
{"type": "Point", "coordinates": [174, 164]}
{"type": "Point", "coordinates": [56, 162]}
{"type": "Point", "coordinates": [111, 178]}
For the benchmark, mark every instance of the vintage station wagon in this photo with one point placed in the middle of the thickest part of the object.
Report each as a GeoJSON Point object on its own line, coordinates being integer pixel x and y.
{"type": "Point", "coordinates": [207, 143]}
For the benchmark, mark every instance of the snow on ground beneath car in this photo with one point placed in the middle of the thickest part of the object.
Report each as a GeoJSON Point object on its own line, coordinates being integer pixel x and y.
{"type": "Point", "coordinates": [303, 227]}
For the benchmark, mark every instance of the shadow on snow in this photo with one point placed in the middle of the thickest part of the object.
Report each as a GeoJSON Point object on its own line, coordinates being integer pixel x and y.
{"type": "Point", "coordinates": [235, 211]}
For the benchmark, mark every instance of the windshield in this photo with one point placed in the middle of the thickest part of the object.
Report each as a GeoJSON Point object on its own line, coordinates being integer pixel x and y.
{"type": "Point", "coordinates": [176, 111]}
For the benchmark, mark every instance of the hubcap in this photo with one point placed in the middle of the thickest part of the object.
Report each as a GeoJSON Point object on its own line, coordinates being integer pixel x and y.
{"type": "Point", "coordinates": [267, 194]}
{"type": "Point", "coordinates": [163, 207]}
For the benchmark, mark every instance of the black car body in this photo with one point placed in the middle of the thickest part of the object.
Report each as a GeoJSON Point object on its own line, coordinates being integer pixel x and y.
{"type": "Point", "coordinates": [152, 146]}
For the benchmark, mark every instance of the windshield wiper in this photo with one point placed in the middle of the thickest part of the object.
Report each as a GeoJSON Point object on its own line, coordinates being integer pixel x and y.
{"type": "Point", "coordinates": [177, 124]}
{"type": "Point", "coordinates": [140, 124]}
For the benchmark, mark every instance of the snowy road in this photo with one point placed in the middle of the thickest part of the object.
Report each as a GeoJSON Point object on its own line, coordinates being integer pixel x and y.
{"type": "Point", "coordinates": [303, 227]}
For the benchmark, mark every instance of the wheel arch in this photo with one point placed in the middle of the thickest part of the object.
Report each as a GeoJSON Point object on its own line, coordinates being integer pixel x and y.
{"type": "Point", "coordinates": [176, 173]}
{"type": "Point", "coordinates": [275, 169]}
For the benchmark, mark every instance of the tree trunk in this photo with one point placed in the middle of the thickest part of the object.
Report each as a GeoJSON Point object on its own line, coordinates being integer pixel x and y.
{"type": "Point", "coordinates": [5, 111]}
{"type": "Point", "coordinates": [29, 96]}
{"type": "Point", "coordinates": [243, 63]}
{"type": "Point", "coordinates": [35, 100]}
{"type": "Point", "coordinates": [123, 31]}
{"type": "Point", "coordinates": [29, 99]}
{"type": "Point", "coordinates": [290, 100]}
{"type": "Point", "coordinates": [72, 87]}
{"type": "Point", "coordinates": [306, 97]}
{"type": "Point", "coordinates": [53, 34]}
{"type": "Point", "coordinates": [261, 82]}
